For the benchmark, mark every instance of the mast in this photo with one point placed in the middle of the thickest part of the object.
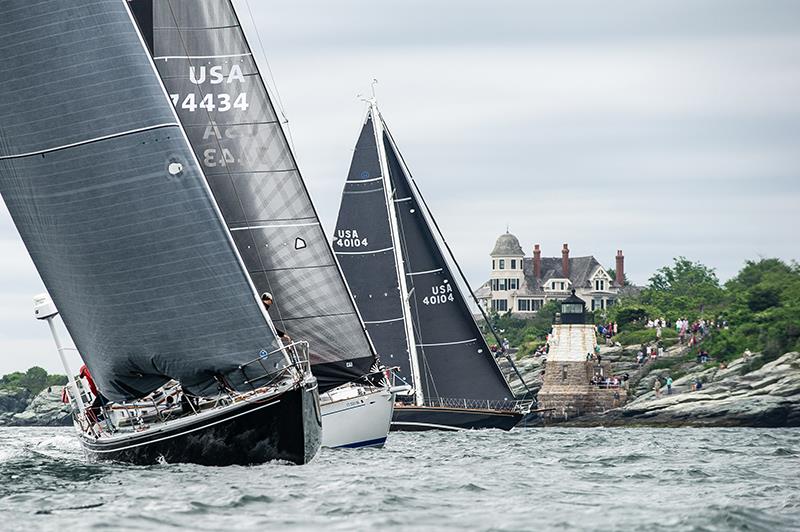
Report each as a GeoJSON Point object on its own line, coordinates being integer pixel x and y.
{"type": "Point", "coordinates": [401, 270]}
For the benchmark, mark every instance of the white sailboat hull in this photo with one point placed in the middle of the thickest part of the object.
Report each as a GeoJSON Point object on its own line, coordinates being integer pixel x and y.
{"type": "Point", "coordinates": [356, 416]}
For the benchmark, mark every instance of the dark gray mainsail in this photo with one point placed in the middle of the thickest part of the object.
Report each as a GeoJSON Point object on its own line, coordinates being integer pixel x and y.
{"type": "Point", "coordinates": [113, 207]}
{"type": "Point", "coordinates": [451, 356]}
{"type": "Point", "coordinates": [363, 245]}
{"type": "Point", "coordinates": [209, 70]}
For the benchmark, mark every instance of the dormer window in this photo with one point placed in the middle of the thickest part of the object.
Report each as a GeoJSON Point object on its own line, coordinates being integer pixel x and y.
{"type": "Point", "coordinates": [599, 284]}
{"type": "Point", "coordinates": [502, 264]}
{"type": "Point", "coordinates": [513, 264]}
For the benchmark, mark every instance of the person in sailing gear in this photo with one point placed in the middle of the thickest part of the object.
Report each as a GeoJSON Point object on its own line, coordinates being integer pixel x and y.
{"type": "Point", "coordinates": [95, 410]}
{"type": "Point", "coordinates": [266, 299]}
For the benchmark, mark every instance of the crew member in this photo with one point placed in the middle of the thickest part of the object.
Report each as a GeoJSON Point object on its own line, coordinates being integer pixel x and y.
{"type": "Point", "coordinates": [266, 299]}
{"type": "Point", "coordinates": [95, 410]}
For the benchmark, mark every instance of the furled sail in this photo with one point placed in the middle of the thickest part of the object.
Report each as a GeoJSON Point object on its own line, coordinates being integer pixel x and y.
{"type": "Point", "coordinates": [454, 360]}
{"type": "Point", "coordinates": [112, 206]}
{"type": "Point", "coordinates": [363, 245]}
{"type": "Point", "coordinates": [203, 57]}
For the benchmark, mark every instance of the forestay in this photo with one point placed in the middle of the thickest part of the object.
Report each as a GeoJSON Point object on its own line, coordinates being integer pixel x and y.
{"type": "Point", "coordinates": [116, 215]}
{"type": "Point", "coordinates": [363, 245]}
{"type": "Point", "coordinates": [210, 73]}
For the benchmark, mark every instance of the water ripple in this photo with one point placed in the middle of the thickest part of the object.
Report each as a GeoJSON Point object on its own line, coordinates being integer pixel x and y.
{"type": "Point", "coordinates": [535, 479]}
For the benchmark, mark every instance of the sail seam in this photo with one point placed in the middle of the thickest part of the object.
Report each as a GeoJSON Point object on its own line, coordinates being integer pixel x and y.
{"type": "Point", "coordinates": [424, 272]}
{"type": "Point", "coordinates": [448, 343]}
{"type": "Point", "coordinates": [364, 180]}
{"type": "Point", "coordinates": [384, 321]}
{"type": "Point", "coordinates": [271, 226]}
{"type": "Point", "coordinates": [363, 252]}
{"type": "Point", "coordinates": [363, 191]}
{"type": "Point", "coordinates": [88, 141]}
{"type": "Point", "coordinates": [166, 57]}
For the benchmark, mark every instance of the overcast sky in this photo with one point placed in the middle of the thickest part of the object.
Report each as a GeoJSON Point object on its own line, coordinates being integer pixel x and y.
{"type": "Point", "coordinates": [660, 128]}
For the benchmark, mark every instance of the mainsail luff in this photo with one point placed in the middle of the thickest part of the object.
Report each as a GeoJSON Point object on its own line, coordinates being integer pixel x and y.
{"type": "Point", "coordinates": [201, 46]}
{"type": "Point", "coordinates": [115, 213]}
{"type": "Point", "coordinates": [400, 262]}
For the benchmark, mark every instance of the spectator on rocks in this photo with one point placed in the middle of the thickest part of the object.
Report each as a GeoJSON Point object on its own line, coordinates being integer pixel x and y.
{"type": "Point", "coordinates": [669, 385]}
{"type": "Point", "coordinates": [657, 387]}
{"type": "Point", "coordinates": [639, 357]}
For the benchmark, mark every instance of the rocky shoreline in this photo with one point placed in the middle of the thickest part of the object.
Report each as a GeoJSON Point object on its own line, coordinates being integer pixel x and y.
{"type": "Point", "coordinates": [731, 397]}
{"type": "Point", "coordinates": [19, 409]}
{"type": "Point", "coordinates": [735, 396]}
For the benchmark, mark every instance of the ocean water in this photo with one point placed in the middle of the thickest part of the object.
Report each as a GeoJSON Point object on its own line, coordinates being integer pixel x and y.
{"type": "Point", "coordinates": [530, 479]}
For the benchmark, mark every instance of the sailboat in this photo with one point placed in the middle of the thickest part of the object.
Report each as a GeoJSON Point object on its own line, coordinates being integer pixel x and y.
{"type": "Point", "coordinates": [202, 54]}
{"type": "Point", "coordinates": [182, 362]}
{"type": "Point", "coordinates": [412, 304]}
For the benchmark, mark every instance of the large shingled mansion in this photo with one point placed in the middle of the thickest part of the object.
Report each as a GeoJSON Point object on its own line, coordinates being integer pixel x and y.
{"type": "Point", "coordinates": [521, 284]}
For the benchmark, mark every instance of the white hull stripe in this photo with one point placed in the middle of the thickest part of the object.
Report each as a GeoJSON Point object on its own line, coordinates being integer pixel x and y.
{"type": "Point", "coordinates": [273, 226]}
{"type": "Point", "coordinates": [148, 442]}
{"type": "Point", "coordinates": [363, 252]}
{"type": "Point", "coordinates": [402, 199]}
{"type": "Point", "coordinates": [89, 141]}
{"type": "Point", "coordinates": [437, 270]}
{"type": "Point", "coordinates": [418, 424]}
{"type": "Point", "coordinates": [364, 180]}
{"type": "Point", "coordinates": [448, 343]}
{"type": "Point", "coordinates": [165, 57]}
{"type": "Point", "coordinates": [385, 321]}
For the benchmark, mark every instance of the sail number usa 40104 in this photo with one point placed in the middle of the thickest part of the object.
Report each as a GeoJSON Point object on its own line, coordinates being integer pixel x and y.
{"type": "Point", "coordinates": [440, 294]}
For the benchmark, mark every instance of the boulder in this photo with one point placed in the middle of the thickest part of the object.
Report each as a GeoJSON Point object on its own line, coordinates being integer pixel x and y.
{"type": "Point", "coordinates": [14, 400]}
{"type": "Point", "coordinates": [46, 409]}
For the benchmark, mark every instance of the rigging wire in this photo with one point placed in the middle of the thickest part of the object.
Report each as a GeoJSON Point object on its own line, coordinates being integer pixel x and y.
{"type": "Point", "coordinates": [274, 83]}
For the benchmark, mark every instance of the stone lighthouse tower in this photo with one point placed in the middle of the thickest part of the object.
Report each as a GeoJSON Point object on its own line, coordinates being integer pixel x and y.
{"type": "Point", "coordinates": [568, 390]}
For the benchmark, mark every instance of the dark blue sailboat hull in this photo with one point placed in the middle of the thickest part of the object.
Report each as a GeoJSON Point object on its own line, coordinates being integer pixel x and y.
{"type": "Point", "coordinates": [286, 427]}
{"type": "Point", "coordinates": [418, 418]}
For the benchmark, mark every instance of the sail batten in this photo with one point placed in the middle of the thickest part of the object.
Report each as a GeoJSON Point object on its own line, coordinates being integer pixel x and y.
{"type": "Point", "coordinates": [208, 68]}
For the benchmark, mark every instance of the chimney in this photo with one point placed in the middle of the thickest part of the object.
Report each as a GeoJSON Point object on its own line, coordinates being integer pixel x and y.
{"type": "Point", "coordinates": [620, 271]}
{"type": "Point", "coordinates": [537, 262]}
{"type": "Point", "coordinates": [565, 261]}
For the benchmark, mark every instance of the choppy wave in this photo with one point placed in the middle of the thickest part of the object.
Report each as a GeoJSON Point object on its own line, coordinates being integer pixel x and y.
{"type": "Point", "coordinates": [535, 479]}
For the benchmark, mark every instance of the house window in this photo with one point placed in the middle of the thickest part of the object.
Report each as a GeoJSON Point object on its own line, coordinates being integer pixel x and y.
{"type": "Point", "coordinates": [599, 284]}
{"type": "Point", "coordinates": [513, 284]}
{"type": "Point", "coordinates": [562, 287]}
{"type": "Point", "coordinates": [553, 286]}
{"type": "Point", "coordinates": [536, 304]}
{"type": "Point", "coordinates": [524, 305]}
{"type": "Point", "coordinates": [597, 304]}
{"type": "Point", "coordinates": [513, 264]}
{"type": "Point", "coordinates": [500, 305]}
{"type": "Point", "coordinates": [502, 264]}
{"type": "Point", "coordinates": [494, 265]}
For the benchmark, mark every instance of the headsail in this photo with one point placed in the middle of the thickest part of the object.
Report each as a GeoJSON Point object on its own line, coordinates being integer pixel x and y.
{"type": "Point", "coordinates": [209, 70]}
{"type": "Point", "coordinates": [364, 247]}
{"type": "Point", "coordinates": [454, 360]}
{"type": "Point", "coordinates": [112, 206]}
